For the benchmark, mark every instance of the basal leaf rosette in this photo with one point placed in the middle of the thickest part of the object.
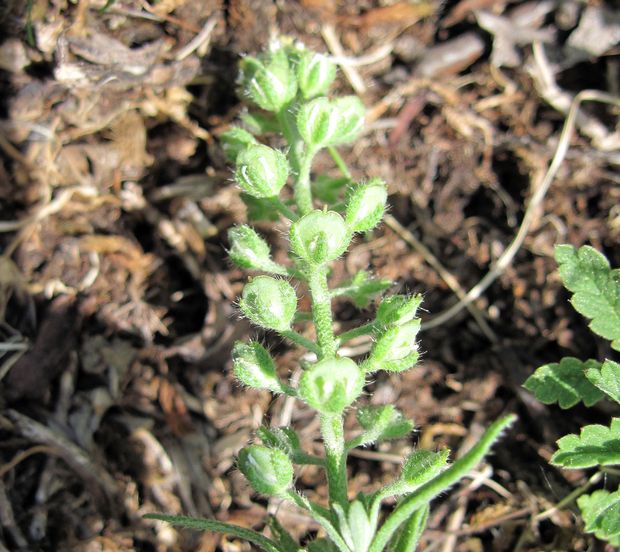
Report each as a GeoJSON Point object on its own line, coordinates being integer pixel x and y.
{"type": "Point", "coordinates": [261, 171]}
{"type": "Point", "coordinates": [366, 205]}
{"type": "Point", "coordinates": [331, 385]}
{"type": "Point", "coordinates": [254, 367]}
{"type": "Point", "coordinates": [319, 237]}
{"type": "Point", "coordinates": [396, 349]}
{"type": "Point", "coordinates": [268, 80]}
{"type": "Point", "coordinates": [269, 303]}
{"type": "Point", "coordinates": [269, 471]}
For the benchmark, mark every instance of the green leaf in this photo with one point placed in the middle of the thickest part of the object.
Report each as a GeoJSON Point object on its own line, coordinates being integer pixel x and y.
{"type": "Point", "coordinates": [220, 527]}
{"type": "Point", "coordinates": [361, 288]}
{"type": "Point", "coordinates": [380, 423]}
{"type": "Point", "coordinates": [595, 287]}
{"type": "Point", "coordinates": [564, 383]}
{"type": "Point", "coordinates": [595, 445]}
{"type": "Point", "coordinates": [606, 378]}
{"type": "Point", "coordinates": [286, 542]}
{"type": "Point", "coordinates": [601, 513]}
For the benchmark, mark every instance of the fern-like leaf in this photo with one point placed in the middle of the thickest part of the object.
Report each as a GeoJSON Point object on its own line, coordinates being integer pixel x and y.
{"type": "Point", "coordinates": [601, 512]}
{"type": "Point", "coordinates": [595, 445]}
{"type": "Point", "coordinates": [606, 378]}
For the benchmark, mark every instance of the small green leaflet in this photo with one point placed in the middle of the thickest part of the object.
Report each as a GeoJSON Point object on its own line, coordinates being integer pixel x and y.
{"type": "Point", "coordinates": [606, 378]}
{"type": "Point", "coordinates": [596, 444]}
{"type": "Point", "coordinates": [601, 512]}
{"type": "Point", "coordinates": [565, 383]}
{"type": "Point", "coordinates": [595, 287]}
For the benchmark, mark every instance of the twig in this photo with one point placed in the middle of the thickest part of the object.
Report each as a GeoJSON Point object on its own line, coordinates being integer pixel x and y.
{"type": "Point", "coordinates": [354, 78]}
{"type": "Point", "coordinates": [446, 276]}
{"type": "Point", "coordinates": [531, 212]}
{"type": "Point", "coordinates": [199, 41]}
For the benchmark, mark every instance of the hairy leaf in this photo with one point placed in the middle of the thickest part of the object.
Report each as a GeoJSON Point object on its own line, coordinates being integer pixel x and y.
{"type": "Point", "coordinates": [606, 378]}
{"type": "Point", "coordinates": [596, 444]}
{"type": "Point", "coordinates": [601, 512]}
{"type": "Point", "coordinates": [564, 383]}
{"type": "Point", "coordinates": [595, 287]}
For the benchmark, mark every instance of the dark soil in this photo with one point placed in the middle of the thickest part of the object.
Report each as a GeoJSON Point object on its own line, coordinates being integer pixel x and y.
{"type": "Point", "coordinates": [117, 300]}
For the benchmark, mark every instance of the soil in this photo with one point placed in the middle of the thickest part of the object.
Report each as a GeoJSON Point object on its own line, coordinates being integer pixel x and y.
{"type": "Point", "coordinates": [117, 300]}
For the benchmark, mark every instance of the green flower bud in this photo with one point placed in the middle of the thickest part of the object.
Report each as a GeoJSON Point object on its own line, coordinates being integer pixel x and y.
{"type": "Point", "coordinates": [396, 310]}
{"type": "Point", "coordinates": [248, 250]}
{"type": "Point", "coordinates": [234, 141]}
{"type": "Point", "coordinates": [351, 113]}
{"type": "Point", "coordinates": [329, 386]}
{"type": "Point", "coordinates": [269, 81]}
{"type": "Point", "coordinates": [319, 237]}
{"type": "Point", "coordinates": [269, 471]}
{"type": "Point", "coordinates": [384, 421]}
{"type": "Point", "coordinates": [283, 438]}
{"type": "Point", "coordinates": [254, 367]}
{"type": "Point", "coordinates": [315, 74]}
{"type": "Point", "coordinates": [269, 302]}
{"type": "Point", "coordinates": [396, 349]}
{"type": "Point", "coordinates": [366, 205]}
{"type": "Point", "coordinates": [322, 122]}
{"type": "Point", "coordinates": [317, 122]}
{"type": "Point", "coordinates": [261, 171]}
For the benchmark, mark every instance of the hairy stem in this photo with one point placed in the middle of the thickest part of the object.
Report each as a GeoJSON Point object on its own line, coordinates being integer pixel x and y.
{"type": "Point", "coordinates": [322, 311]}
{"type": "Point", "coordinates": [303, 192]}
{"type": "Point", "coordinates": [356, 332]}
{"type": "Point", "coordinates": [340, 163]}
{"type": "Point", "coordinates": [332, 429]}
{"type": "Point", "coordinates": [439, 484]}
{"type": "Point", "coordinates": [284, 209]}
{"type": "Point", "coordinates": [301, 340]}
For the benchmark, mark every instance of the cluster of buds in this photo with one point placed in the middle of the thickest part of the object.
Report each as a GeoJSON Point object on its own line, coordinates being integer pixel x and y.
{"type": "Point", "coordinates": [289, 85]}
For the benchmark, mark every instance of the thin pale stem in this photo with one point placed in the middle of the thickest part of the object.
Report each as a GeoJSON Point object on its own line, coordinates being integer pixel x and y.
{"type": "Point", "coordinates": [332, 429]}
{"type": "Point", "coordinates": [302, 189]}
{"type": "Point", "coordinates": [340, 163]}
{"type": "Point", "coordinates": [284, 209]}
{"type": "Point", "coordinates": [322, 311]}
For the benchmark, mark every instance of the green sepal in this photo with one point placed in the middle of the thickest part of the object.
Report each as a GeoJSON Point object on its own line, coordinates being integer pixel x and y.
{"type": "Point", "coordinates": [234, 141]}
{"type": "Point", "coordinates": [366, 205]}
{"type": "Point", "coordinates": [397, 310]}
{"type": "Point", "coordinates": [319, 237]}
{"type": "Point", "coordinates": [380, 423]}
{"type": "Point", "coordinates": [565, 383]}
{"type": "Point", "coordinates": [269, 302]}
{"type": "Point", "coordinates": [606, 377]}
{"type": "Point", "coordinates": [254, 367]}
{"type": "Point", "coordinates": [595, 287]}
{"type": "Point", "coordinates": [261, 171]}
{"type": "Point", "coordinates": [268, 81]}
{"type": "Point", "coordinates": [250, 251]}
{"type": "Point", "coordinates": [601, 513]}
{"type": "Point", "coordinates": [331, 385]}
{"type": "Point", "coordinates": [315, 74]}
{"type": "Point", "coordinates": [268, 470]}
{"type": "Point", "coordinates": [595, 445]}
{"type": "Point", "coordinates": [395, 349]}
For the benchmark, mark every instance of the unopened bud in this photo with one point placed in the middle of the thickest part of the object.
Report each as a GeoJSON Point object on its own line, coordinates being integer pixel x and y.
{"type": "Point", "coordinates": [329, 386]}
{"type": "Point", "coordinates": [248, 250]}
{"type": "Point", "coordinates": [254, 367]}
{"type": "Point", "coordinates": [366, 205]}
{"type": "Point", "coordinates": [398, 309]}
{"type": "Point", "coordinates": [396, 349]}
{"type": "Point", "coordinates": [269, 302]}
{"type": "Point", "coordinates": [319, 237]}
{"type": "Point", "coordinates": [269, 471]}
{"type": "Point", "coordinates": [261, 171]}
{"type": "Point", "coordinates": [315, 74]}
{"type": "Point", "coordinates": [269, 80]}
